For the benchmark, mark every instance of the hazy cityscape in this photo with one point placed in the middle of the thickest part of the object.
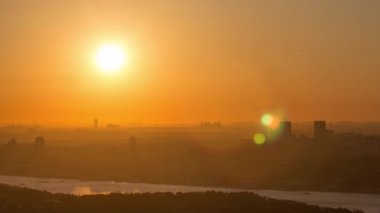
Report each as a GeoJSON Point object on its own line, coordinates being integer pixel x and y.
{"type": "Point", "coordinates": [189, 106]}
{"type": "Point", "coordinates": [313, 156]}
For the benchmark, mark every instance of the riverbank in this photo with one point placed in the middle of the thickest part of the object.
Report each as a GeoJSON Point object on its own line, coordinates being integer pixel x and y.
{"type": "Point", "coordinates": [369, 203]}
{"type": "Point", "coordinates": [15, 199]}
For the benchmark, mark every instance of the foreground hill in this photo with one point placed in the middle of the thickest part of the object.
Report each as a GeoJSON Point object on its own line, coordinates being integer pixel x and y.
{"type": "Point", "coordinates": [14, 199]}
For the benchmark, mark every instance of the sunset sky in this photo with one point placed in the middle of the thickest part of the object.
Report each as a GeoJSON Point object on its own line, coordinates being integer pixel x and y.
{"type": "Point", "coordinates": [189, 61]}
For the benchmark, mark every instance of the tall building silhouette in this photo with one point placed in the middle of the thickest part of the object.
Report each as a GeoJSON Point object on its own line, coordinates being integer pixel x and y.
{"type": "Point", "coordinates": [96, 123]}
{"type": "Point", "coordinates": [286, 128]}
{"type": "Point", "coordinates": [320, 130]}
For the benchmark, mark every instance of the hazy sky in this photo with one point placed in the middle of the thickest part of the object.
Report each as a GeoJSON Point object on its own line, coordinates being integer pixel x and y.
{"type": "Point", "coordinates": [190, 60]}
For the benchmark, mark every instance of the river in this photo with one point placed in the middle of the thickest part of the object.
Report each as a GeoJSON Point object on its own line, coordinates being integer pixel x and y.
{"type": "Point", "coordinates": [369, 203]}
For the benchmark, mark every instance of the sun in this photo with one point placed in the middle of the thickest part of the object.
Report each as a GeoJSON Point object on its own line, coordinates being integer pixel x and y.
{"type": "Point", "coordinates": [110, 58]}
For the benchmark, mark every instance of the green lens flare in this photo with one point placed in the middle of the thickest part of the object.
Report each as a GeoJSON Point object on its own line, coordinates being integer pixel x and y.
{"type": "Point", "coordinates": [266, 119]}
{"type": "Point", "coordinates": [259, 138]}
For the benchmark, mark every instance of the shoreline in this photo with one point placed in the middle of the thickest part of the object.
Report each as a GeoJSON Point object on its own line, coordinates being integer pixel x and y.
{"type": "Point", "coordinates": [231, 187]}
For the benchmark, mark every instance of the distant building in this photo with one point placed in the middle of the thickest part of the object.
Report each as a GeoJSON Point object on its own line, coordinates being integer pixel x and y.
{"type": "Point", "coordinates": [320, 130]}
{"type": "Point", "coordinates": [113, 126]}
{"type": "Point", "coordinates": [132, 140]}
{"type": "Point", "coordinates": [96, 123]}
{"type": "Point", "coordinates": [217, 124]}
{"type": "Point", "coordinates": [12, 142]}
{"type": "Point", "coordinates": [286, 128]}
{"type": "Point", "coordinates": [39, 142]}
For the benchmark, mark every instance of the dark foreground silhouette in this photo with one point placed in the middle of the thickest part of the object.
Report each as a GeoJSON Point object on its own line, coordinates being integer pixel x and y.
{"type": "Point", "coordinates": [14, 199]}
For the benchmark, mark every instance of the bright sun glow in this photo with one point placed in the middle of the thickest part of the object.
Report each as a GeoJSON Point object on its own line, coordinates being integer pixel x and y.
{"type": "Point", "coordinates": [110, 58]}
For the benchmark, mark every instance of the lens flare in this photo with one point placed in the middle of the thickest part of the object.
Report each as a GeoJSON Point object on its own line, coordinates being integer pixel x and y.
{"type": "Point", "coordinates": [272, 125]}
{"type": "Point", "coordinates": [275, 123]}
{"type": "Point", "coordinates": [270, 121]}
{"type": "Point", "coordinates": [266, 119]}
{"type": "Point", "coordinates": [259, 138]}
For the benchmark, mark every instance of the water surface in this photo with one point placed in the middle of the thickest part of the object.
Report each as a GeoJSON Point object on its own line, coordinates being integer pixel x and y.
{"type": "Point", "coordinates": [369, 203]}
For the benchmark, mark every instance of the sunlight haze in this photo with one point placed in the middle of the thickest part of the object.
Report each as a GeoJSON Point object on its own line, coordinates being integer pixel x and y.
{"type": "Point", "coordinates": [188, 61]}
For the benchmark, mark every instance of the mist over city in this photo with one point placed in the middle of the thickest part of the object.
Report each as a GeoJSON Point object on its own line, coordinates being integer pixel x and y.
{"type": "Point", "coordinates": [190, 106]}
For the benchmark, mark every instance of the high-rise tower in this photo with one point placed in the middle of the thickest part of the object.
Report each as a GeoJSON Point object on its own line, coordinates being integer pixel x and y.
{"type": "Point", "coordinates": [96, 123]}
{"type": "Point", "coordinates": [320, 130]}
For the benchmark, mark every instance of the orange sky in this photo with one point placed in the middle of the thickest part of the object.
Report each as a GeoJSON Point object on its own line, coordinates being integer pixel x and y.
{"type": "Point", "coordinates": [191, 61]}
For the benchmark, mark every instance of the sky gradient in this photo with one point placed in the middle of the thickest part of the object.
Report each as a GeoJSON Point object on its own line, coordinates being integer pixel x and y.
{"type": "Point", "coordinates": [190, 61]}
